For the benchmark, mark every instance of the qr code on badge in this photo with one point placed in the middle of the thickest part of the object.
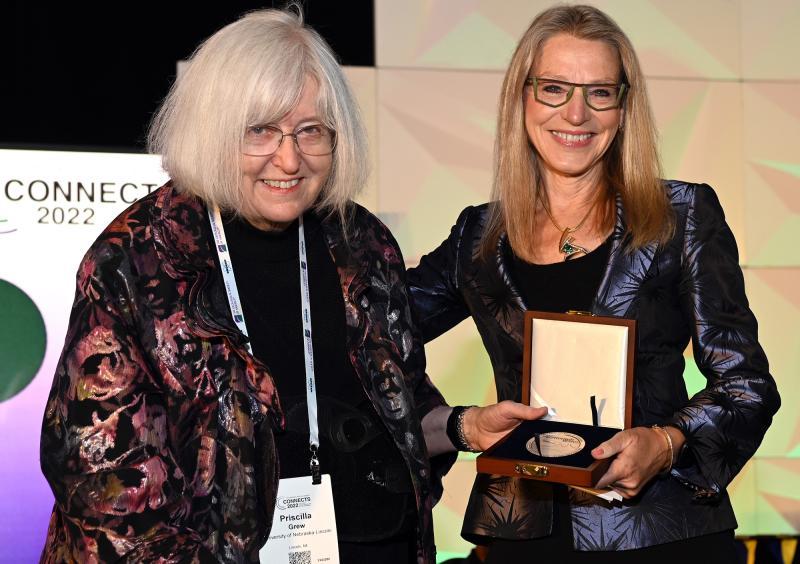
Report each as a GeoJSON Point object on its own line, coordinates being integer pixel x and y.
{"type": "Point", "coordinates": [303, 557]}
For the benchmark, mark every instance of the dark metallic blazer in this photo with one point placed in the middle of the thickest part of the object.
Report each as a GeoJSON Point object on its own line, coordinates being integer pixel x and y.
{"type": "Point", "coordinates": [690, 288]}
{"type": "Point", "coordinates": [158, 433]}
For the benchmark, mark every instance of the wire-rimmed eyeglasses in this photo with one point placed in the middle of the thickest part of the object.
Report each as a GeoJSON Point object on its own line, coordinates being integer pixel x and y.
{"type": "Point", "coordinates": [315, 140]}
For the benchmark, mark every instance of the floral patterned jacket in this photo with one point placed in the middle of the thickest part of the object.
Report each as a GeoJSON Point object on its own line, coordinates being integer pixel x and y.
{"type": "Point", "coordinates": [157, 438]}
{"type": "Point", "coordinates": [690, 289]}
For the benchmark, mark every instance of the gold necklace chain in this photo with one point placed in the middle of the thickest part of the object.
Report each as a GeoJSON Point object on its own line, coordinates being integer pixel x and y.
{"type": "Point", "coordinates": [566, 244]}
{"type": "Point", "coordinates": [569, 229]}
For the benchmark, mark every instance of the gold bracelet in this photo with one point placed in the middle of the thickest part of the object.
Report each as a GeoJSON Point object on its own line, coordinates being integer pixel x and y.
{"type": "Point", "coordinates": [669, 446]}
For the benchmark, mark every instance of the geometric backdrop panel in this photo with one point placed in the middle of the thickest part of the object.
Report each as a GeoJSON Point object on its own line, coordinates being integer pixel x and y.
{"type": "Point", "coordinates": [435, 137]}
{"type": "Point", "coordinates": [674, 38]}
{"type": "Point", "coordinates": [363, 82]}
{"type": "Point", "coordinates": [771, 113]}
{"type": "Point", "coordinates": [700, 134]}
{"type": "Point", "coordinates": [775, 299]}
{"type": "Point", "coordinates": [770, 41]}
{"type": "Point", "coordinates": [777, 499]}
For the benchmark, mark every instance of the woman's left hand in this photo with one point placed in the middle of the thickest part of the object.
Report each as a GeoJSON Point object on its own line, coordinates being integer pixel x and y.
{"type": "Point", "coordinates": [641, 453]}
{"type": "Point", "coordinates": [484, 426]}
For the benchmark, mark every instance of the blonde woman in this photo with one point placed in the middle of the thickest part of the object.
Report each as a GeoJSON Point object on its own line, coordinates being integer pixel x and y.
{"type": "Point", "coordinates": [580, 220]}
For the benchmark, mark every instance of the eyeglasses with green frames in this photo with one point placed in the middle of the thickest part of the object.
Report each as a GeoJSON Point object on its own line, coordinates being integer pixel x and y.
{"type": "Point", "coordinates": [555, 93]}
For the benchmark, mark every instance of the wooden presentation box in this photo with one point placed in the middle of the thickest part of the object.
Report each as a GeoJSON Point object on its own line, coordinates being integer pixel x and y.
{"type": "Point", "coordinates": [580, 367]}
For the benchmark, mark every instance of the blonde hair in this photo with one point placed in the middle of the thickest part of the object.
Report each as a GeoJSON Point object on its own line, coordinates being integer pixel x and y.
{"type": "Point", "coordinates": [631, 163]}
{"type": "Point", "coordinates": [253, 71]}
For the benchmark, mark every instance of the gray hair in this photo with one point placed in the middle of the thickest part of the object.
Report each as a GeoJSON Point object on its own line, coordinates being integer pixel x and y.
{"type": "Point", "coordinates": [253, 71]}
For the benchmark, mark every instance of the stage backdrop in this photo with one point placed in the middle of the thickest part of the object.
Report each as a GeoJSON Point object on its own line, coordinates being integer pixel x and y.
{"type": "Point", "coordinates": [724, 82]}
{"type": "Point", "coordinates": [52, 206]}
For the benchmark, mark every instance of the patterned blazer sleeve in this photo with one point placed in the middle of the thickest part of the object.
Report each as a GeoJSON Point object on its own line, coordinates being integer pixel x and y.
{"type": "Point", "coordinates": [105, 447]}
{"type": "Point", "coordinates": [437, 301]}
{"type": "Point", "coordinates": [725, 422]}
{"type": "Point", "coordinates": [426, 396]}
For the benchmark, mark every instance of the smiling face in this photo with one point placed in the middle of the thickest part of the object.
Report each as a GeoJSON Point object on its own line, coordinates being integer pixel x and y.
{"type": "Point", "coordinates": [280, 187]}
{"type": "Point", "coordinates": [572, 139]}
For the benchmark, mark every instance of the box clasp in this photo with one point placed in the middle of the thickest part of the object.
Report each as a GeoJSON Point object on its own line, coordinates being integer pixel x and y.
{"type": "Point", "coordinates": [538, 470]}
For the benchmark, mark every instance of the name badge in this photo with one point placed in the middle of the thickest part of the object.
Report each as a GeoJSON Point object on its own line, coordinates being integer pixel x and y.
{"type": "Point", "coordinates": [304, 524]}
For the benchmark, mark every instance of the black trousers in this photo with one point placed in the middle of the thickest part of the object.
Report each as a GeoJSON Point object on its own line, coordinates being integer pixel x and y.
{"type": "Point", "coordinates": [398, 549]}
{"type": "Point", "coordinates": [394, 551]}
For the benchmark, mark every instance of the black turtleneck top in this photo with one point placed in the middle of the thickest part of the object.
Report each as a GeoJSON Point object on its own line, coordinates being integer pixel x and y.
{"type": "Point", "coordinates": [267, 270]}
{"type": "Point", "coordinates": [371, 487]}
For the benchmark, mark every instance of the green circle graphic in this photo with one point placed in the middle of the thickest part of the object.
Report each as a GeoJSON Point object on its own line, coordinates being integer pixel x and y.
{"type": "Point", "coordinates": [22, 340]}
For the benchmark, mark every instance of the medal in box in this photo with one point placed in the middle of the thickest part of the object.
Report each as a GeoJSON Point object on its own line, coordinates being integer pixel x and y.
{"type": "Point", "coordinates": [580, 367]}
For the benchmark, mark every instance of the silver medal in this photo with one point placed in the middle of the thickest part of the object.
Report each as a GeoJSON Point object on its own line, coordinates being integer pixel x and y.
{"type": "Point", "coordinates": [555, 444]}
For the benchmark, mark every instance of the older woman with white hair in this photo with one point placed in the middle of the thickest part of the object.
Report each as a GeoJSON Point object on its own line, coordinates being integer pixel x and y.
{"type": "Point", "coordinates": [164, 437]}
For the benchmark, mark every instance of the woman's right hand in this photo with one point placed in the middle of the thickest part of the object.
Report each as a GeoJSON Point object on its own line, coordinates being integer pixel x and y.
{"type": "Point", "coordinates": [639, 454]}
{"type": "Point", "coordinates": [484, 426]}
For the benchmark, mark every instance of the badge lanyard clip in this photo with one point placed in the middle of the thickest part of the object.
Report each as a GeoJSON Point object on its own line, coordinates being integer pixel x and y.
{"type": "Point", "coordinates": [316, 473]}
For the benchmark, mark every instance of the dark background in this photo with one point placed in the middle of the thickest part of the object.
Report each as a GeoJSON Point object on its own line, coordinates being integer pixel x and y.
{"type": "Point", "coordinates": [89, 76]}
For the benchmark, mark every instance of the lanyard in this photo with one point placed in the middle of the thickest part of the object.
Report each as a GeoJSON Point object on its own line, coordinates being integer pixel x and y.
{"type": "Point", "coordinates": [221, 245]}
